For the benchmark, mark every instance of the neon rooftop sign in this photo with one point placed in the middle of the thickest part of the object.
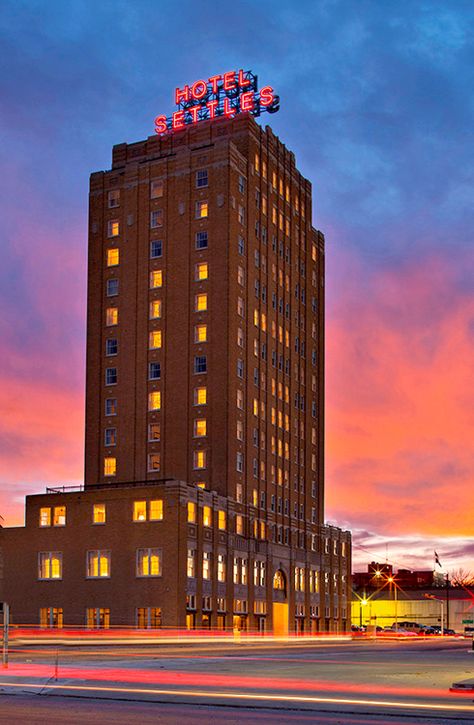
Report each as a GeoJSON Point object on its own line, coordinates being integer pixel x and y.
{"type": "Point", "coordinates": [222, 95]}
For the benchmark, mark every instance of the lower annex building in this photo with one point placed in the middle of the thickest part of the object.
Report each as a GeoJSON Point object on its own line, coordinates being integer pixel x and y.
{"type": "Point", "coordinates": [203, 501]}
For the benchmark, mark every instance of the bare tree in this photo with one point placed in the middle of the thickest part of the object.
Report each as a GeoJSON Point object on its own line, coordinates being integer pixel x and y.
{"type": "Point", "coordinates": [461, 578]}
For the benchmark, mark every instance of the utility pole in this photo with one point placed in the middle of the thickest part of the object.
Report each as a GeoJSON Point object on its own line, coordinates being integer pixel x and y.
{"type": "Point", "coordinates": [6, 623]}
{"type": "Point", "coordinates": [447, 600]}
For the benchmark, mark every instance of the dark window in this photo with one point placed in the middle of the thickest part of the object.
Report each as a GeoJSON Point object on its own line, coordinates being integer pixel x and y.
{"type": "Point", "coordinates": [110, 376]}
{"type": "Point", "coordinates": [156, 249]}
{"type": "Point", "coordinates": [200, 364]}
{"type": "Point", "coordinates": [201, 240]}
{"type": "Point", "coordinates": [112, 287]}
{"type": "Point", "coordinates": [154, 371]}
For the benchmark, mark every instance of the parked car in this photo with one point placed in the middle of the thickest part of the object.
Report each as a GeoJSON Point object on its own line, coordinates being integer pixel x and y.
{"type": "Point", "coordinates": [396, 632]}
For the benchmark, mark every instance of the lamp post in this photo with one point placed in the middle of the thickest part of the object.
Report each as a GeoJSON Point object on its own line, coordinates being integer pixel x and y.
{"type": "Point", "coordinates": [432, 596]}
{"type": "Point", "coordinates": [363, 603]}
{"type": "Point", "coordinates": [391, 581]}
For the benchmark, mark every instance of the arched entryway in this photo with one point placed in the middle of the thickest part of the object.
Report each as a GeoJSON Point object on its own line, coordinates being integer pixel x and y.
{"type": "Point", "coordinates": [280, 604]}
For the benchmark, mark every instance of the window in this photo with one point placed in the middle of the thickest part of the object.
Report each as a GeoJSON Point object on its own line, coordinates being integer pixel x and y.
{"type": "Point", "coordinates": [112, 287]}
{"type": "Point", "coordinates": [199, 460]}
{"type": "Point", "coordinates": [201, 271]}
{"type": "Point", "coordinates": [156, 218]}
{"type": "Point", "coordinates": [241, 184]}
{"type": "Point", "coordinates": [201, 178]}
{"type": "Point", "coordinates": [201, 240]}
{"type": "Point", "coordinates": [191, 563]}
{"type": "Point", "coordinates": [240, 276]}
{"type": "Point", "coordinates": [200, 396]}
{"type": "Point", "coordinates": [111, 376]}
{"type": "Point", "coordinates": [206, 516]}
{"type": "Point", "coordinates": [221, 567]}
{"type": "Point", "coordinates": [111, 316]}
{"type": "Point", "coordinates": [98, 513]}
{"type": "Point", "coordinates": [200, 364]}
{"type": "Point", "coordinates": [240, 337]}
{"type": "Point", "coordinates": [240, 307]}
{"type": "Point", "coordinates": [110, 436]}
{"type": "Point", "coordinates": [154, 462]}
{"type": "Point", "coordinates": [148, 617]}
{"type": "Point", "coordinates": [97, 618]}
{"type": "Point", "coordinates": [155, 339]}
{"type": "Point", "coordinates": [240, 462]}
{"type": "Point", "coordinates": [139, 510]}
{"type": "Point", "coordinates": [148, 562]}
{"type": "Point", "coordinates": [240, 399]}
{"type": "Point", "coordinates": [200, 333]}
{"type": "Point", "coordinates": [98, 564]}
{"type": "Point", "coordinates": [156, 278]}
{"type": "Point", "coordinates": [206, 564]}
{"type": "Point", "coordinates": [113, 256]}
{"type": "Point", "coordinates": [154, 400]}
{"type": "Point", "coordinates": [241, 214]}
{"type": "Point", "coordinates": [221, 520]}
{"type": "Point", "coordinates": [50, 565]}
{"type": "Point", "coordinates": [113, 198]}
{"type": "Point", "coordinates": [111, 406]}
{"type": "Point", "coordinates": [45, 516]}
{"type": "Point", "coordinates": [155, 309]}
{"type": "Point", "coordinates": [154, 371]}
{"type": "Point", "coordinates": [51, 617]}
{"type": "Point", "coordinates": [191, 512]}
{"type": "Point", "coordinates": [200, 302]}
{"type": "Point", "coordinates": [111, 346]}
{"type": "Point", "coordinates": [239, 525]}
{"type": "Point", "coordinates": [156, 249]}
{"type": "Point", "coordinates": [241, 246]}
{"type": "Point", "coordinates": [113, 228]}
{"type": "Point", "coordinates": [110, 466]}
{"type": "Point", "coordinates": [154, 432]}
{"type": "Point", "coordinates": [200, 428]}
{"type": "Point", "coordinates": [156, 188]}
{"type": "Point", "coordinates": [240, 368]}
{"type": "Point", "coordinates": [201, 209]}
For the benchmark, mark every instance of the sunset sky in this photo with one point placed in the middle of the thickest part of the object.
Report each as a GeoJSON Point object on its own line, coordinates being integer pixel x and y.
{"type": "Point", "coordinates": [376, 103]}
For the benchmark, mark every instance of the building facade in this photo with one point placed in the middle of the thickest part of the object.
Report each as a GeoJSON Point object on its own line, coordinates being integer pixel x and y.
{"type": "Point", "coordinates": [203, 501]}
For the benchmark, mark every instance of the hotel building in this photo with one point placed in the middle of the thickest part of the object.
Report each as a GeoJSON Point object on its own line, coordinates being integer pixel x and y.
{"type": "Point", "coordinates": [203, 500]}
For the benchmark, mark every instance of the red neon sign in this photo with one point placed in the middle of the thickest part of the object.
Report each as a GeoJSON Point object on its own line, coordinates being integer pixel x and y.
{"type": "Point", "coordinates": [226, 95]}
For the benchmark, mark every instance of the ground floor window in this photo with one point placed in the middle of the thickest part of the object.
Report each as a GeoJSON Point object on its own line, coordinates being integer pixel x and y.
{"type": "Point", "coordinates": [51, 617]}
{"type": "Point", "coordinates": [97, 618]}
{"type": "Point", "coordinates": [190, 620]}
{"type": "Point", "coordinates": [148, 617]}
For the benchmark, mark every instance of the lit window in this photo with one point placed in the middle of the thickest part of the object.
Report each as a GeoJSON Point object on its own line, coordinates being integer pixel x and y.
{"type": "Point", "coordinates": [200, 428]}
{"type": "Point", "coordinates": [51, 617]}
{"type": "Point", "coordinates": [191, 512]}
{"type": "Point", "coordinates": [156, 249]}
{"type": "Point", "coordinates": [201, 178]}
{"type": "Point", "coordinates": [200, 333]}
{"type": "Point", "coordinates": [199, 460]}
{"type": "Point", "coordinates": [112, 287]}
{"type": "Point", "coordinates": [59, 516]}
{"type": "Point", "coordinates": [111, 316]}
{"type": "Point", "coordinates": [98, 564]}
{"type": "Point", "coordinates": [207, 516]}
{"type": "Point", "coordinates": [257, 163]}
{"type": "Point", "coordinates": [155, 338]}
{"type": "Point", "coordinates": [154, 400]}
{"type": "Point", "coordinates": [156, 278]}
{"type": "Point", "coordinates": [191, 563]}
{"type": "Point", "coordinates": [111, 406]}
{"type": "Point", "coordinates": [240, 430]}
{"type": "Point", "coordinates": [113, 257]}
{"type": "Point", "coordinates": [45, 517]}
{"type": "Point", "coordinates": [221, 520]}
{"type": "Point", "coordinates": [154, 371]}
{"type": "Point", "coordinates": [98, 617]}
{"type": "Point", "coordinates": [139, 510]}
{"type": "Point", "coordinates": [154, 432]}
{"type": "Point", "coordinates": [201, 209]}
{"type": "Point", "coordinates": [200, 396]}
{"type": "Point", "coordinates": [50, 565]}
{"type": "Point", "coordinates": [200, 302]}
{"type": "Point", "coordinates": [221, 567]}
{"type": "Point", "coordinates": [111, 346]}
{"type": "Point", "coordinates": [156, 218]}
{"type": "Point", "coordinates": [239, 525]}
{"type": "Point", "coordinates": [113, 228]}
{"type": "Point", "coordinates": [110, 466]}
{"type": "Point", "coordinates": [113, 198]}
{"type": "Point", "coordinates": [98, 513]}
{"type": "Point", "coordinates": [110, 436]}
{"type": "Point", "coordinates": [156, 188]}
{"type": "Point", "coordinates": [240, 307]}
{"type": "Point", "coordinates": [206, 564]}
{"type": "Point", "coordinates": [111, 376]}
{"type": "Point", "coordinates": [201, 240]}
{"type": "Point", "coordinates": [201, 271]}
{"type": "Point", "coordinates": [200, 364]}
{"type": "Point", "coordinates": [155, 309]}
{"type": "Point", "coordinates": [148, 562]}
{"type": "Point", "coordinates": [156, 509]}
{"type": "Point", "coordinates": [154, 462]}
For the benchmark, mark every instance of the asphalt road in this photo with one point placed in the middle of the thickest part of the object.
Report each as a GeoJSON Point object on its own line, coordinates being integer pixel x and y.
{"type": "Point", "coordinates": [304, 681]}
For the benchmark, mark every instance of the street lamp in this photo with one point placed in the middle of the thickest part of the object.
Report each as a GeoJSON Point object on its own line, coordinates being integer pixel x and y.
{"type": "Point", "coordinates": [432, 596]}
{"type": "Point", "coordinates": [391, 580]}
{"type": "Point", "coordinates": [363, 603]}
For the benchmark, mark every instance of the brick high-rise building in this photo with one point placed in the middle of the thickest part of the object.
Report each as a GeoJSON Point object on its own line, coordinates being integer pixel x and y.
{"type": "Point", "coordinates": [205, 394]}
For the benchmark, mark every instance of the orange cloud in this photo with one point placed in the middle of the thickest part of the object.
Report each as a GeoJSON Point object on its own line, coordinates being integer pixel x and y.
{"type": "Point", "coordinates": [400, 401]}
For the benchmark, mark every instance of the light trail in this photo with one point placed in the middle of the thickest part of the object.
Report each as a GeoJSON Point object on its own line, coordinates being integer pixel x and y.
{"type": "Point", "coordinates": [267, 698]}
